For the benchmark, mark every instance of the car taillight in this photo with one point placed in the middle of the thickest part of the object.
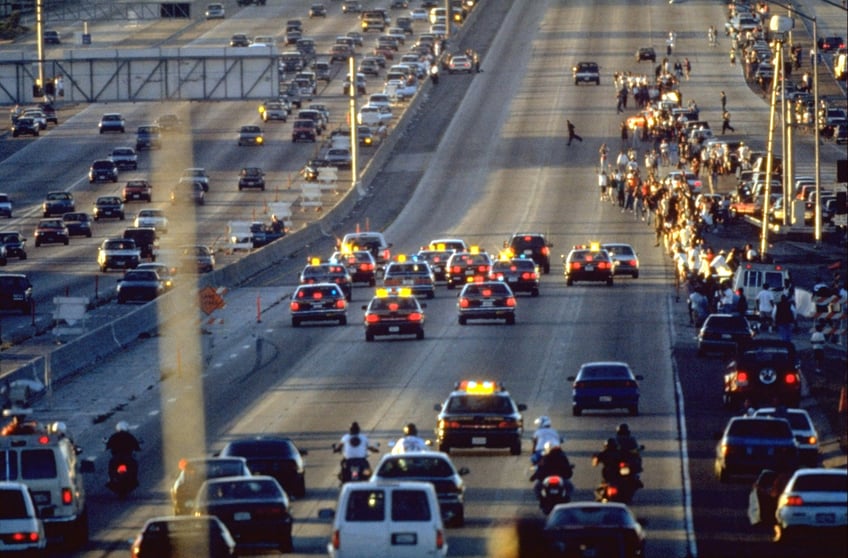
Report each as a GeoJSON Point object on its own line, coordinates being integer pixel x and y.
{"type": "Point", "coordinates": [440, 539]}
{"type": "Point", "coordinates": [366, 267]}
{"type": "Point", "coordinates": [742, 378]}
{"type": "Point", "coordinates": [456, 269]}
{"type": "Point", "coordinates": [575, 266]}
{"type": "Point", "coordinates": [415, 316]}
{"type": "Point", "coordinates": [545, 250]}
{"type": "Point", "coordinates": [507, 423]}
{"type": "Point", "coordinates": [791, 378]}
{"type": "Point", "coordinates": [464, 303]}
{"type": "Point", "coordinates": [631, 263]}
{"type": "Point", "coordinates": [451, 424]}
{"type": "Point", "coordinates": [372, 318]}
{"type": "Point", "coordinates": [498, 276]}
{"type": "Point", "coordinates": [793, 500]}
{"type": "Point", "coordinates": [528, 275]}
{"type": "Point", "coordinates": [604, 265]}
{"type": "Point", "coordinates": [68, 496]}
{"type": "Point", "coordinates": [611, 491]}
{"type": "Point", "coordinates": [24, 537]}
{"type": "Point", "coordinates": [294, 306]}
{"type": "Point", "coordinates": [510, 301]}
{"type": "Point", "coordinates": [336, 540]}
{"type": "Point", "coordinates": [341, 304]}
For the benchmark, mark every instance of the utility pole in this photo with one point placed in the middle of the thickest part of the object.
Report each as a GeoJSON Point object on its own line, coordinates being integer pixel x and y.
{"type": "Point", "coordinates": [39, 31]}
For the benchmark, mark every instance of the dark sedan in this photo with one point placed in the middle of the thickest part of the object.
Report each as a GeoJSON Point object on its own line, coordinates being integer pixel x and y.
{"type": "Point", "coordinates": [318, 302]}
{"type": "Point", "coordinates": [255, 510]}
{"type": "Point", "coordinates": [139, 286]}
{"type": "Point", "coordinates": [722, 333]}
{"type": "Point", "coordinates": [605, 385]}
{"type": "Point", "coordinates": [15, 244]}
{"type": "Point", "coordinates": [180, 537]}
{"type": "Point", "coordinates": [594, 529]}
{"type": "Point", "coordinates": [490, 300]}
{"type": "Point", "coordinates": [751, 444]}
{"type": "Point", "coordinates": [764, 371]}
{"type": "Point", "coordinates": [79, 224]}
{"type": "Point", "coordinates": [194, 472]}
{"type": "Point", "coordinates": [275, 456]}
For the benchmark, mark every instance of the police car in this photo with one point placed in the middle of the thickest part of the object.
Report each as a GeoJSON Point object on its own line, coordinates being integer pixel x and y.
{"type": "Point", "coordinates": [479, 414]}
{"type": "Point", "coordinates": [360, 264]}
{"type": "Point", "coordinates": [318, 272]}
{"type": "Point", "coordinates": [521, 274]}
{"type": "Point", "coordinates": [486, 300]}
{"type": "Point", "coordinates": [437, 256]}
{"type": "Point", "coordinates": [467, 267]}
{"type": "Point", "coordinates": [318, 302]}
{"type": "Point", "coordinates": [411, 273]}
{"type": "Point", "coordinates": [588, 263]}
{"type": "Point", "coordinates": [394, 312]}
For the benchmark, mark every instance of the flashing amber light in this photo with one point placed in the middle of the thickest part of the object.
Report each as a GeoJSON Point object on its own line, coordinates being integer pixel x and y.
{"type": "Point", "coordinates": [473, 386]}
{"type": "Point", "coordinates": [474, 249]}
{"type": "Point", "coordinates": [401, 258]}
{"type": "Point", "coordinates": [314, 261]}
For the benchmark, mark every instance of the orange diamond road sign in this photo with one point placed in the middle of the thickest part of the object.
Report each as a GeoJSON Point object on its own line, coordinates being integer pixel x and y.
{"type": "Point", "coordinates": [210, 300]}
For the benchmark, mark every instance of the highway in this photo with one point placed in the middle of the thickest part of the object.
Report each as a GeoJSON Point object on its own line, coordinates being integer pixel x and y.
{"type": "Point", "coordinates": [487, 157]}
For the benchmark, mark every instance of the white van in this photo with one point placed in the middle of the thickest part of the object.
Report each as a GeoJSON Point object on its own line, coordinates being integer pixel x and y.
{"type": "Point", "coordinates": [751, 276]}
{"type": "Point", "coordinates": [397, 519]}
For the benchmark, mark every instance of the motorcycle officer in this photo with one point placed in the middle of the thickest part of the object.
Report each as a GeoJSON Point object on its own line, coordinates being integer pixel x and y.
{"type": "Point", "coordinates": [353, 445]}
{"type": "Point", "coordinates": [545, 434]}
{"type": "Point", "coordinates": [609, 459]}
{"type": "Point", "coordinates": [410, 440]}
{"type": "Point", "coordinates": [123, 444]}
{"type": "Point", "coordinates": [629, 447]}
{"type": "Point", "coordinates": [554, 462]}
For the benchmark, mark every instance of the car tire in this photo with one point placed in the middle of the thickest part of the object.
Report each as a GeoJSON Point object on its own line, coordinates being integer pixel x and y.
{"type": "Point", "coordinates": [431, 295]}
{"type": "Point", "coordinates": [299, 488]}
{"type": "Point", "coordinates": [66, 241]}
{"type": "Point", "coordinates": [635, 275]}
{"type": "Point", "coordinates": [576, 411]}
{"type": "Point", "coordinates": [103, 269]}
{"type": "Point", "coordinates": [534, 292]}
{"type": "Point", "coordinates": [459, 519]}
{"type": "Point", "coordinates": [419, 334]}
{"type": "Point", "coordinates": [121, 300]}
{"type": "Point", "coordinates": [462, 320]}
{"type": "Point", "coordinates": [444, 447]}
{"type": "Point", "coordinates": [37, 243]}
{"type": "Point", "coordinates": [369, 336]}
{"type": "Point", "coordinates": [295, 322]}
{"type": "Point", "coordinates": [23, 256]}
{"type": "Point", "coordinates": [510, 320]}
{"type": "Point", "coordinates": [286, 545]}
{"type": "Point", "coordinates": [610, 282]}
{"type": "Point", "coordinates": [633, 410]}
{"type": "Point", "coordinates": [515, 448]}
{"type": "Point", "coordinates": [569, 282]}
{"type": "Point", "coordinates": [343, 321]}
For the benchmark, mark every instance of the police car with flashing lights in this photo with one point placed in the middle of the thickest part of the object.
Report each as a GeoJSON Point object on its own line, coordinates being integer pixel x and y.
{"type": "Point", "coordinates": [394, 312]}
{"type": "Point", "coordinates": [360, 264]}
{"type": "Point", "coordinates": [588, 263]}
{"type": "Point", "coordinates": [374, 242]}
{"type": "Point", "coordinates": [469, 266]}
{"type": "Point", "coordinates": [318, 302]}
{"type": "Point", "coordinates": [410, 273]}
{"type": "Point", "coordinates": [479, 414]}
{"type": "Point", "coordinates": [521, 274]}
{"type": "Point", "coordinates": [44, 458]}
{"type": "Point", "coordinates": [438, 258]}
{"type": "Point", "coordinates": [455, 244]}
{"type": "Point", "coordinates": [486, 300]}
{"type": "Point", "coordinates": [322, 272]}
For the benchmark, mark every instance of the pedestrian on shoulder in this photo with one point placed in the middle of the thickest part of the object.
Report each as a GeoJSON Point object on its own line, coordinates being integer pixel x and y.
{"type": "Point", "coordinates": [572, 134]}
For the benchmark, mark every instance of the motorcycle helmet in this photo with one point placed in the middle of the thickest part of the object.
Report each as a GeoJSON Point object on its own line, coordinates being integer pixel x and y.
{"type": "Point", "coordinates": [543, 422]}
{"type": "Point", "coordinates": [623, 429]}
{"type": "Point", "coordinates": [611, 444]}
{"type": "Point", "coordinates": [122, 426]}
{"type": "Point", "coordinates": [354, 428]}
{"type": "Point", "coordinates": [410, 430]}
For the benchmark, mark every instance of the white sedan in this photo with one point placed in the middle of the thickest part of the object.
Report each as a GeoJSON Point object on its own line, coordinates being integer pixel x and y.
{"type": "Point", "coordinates": [815, 501]}
{"type": "Point", "coordinates": [419, 14]}
{"type": "Point", "coordinates": [152, 218]}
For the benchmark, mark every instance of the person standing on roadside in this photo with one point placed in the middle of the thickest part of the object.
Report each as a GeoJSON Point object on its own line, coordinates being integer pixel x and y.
{"type": "Point", "coordinates": [784, 318]}
{"type": "Point", "coordinates": [723, 101]}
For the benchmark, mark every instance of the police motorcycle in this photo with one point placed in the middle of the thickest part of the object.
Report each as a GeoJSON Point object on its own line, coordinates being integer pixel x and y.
{"type": "Point", "coordinates": [123, 467]}
{"type": "Point", "coordinates": [620, 473]}
{"type": "Point", "coordinates": [354, 469]}
{"type": "Point", "coordinates": [551, 475]}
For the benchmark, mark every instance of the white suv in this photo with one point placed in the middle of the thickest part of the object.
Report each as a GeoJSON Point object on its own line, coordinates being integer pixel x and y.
{"type": "Point", "coordinates": [20, 529]}
{"type": "Point", "coordinates": [46, 462]}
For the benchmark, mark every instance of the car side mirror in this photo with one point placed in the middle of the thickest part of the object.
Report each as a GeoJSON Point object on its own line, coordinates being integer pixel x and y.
{"type": "Point", "coordinates": [463, 471]}
{"type": "Point", "coordinates": [640, 377]}
{"type": "Point", "coordinates": [571, 378]}
{"type": "Point", "coordinates": [303, 451]}
{"type": "Point", "coordinates": [522, 407]}
{"type": "Point", "coordinates": [422, 304]}
{"type": "Point", "coordinates": [437, 407]}
{"type": "Point", "coordinates": [365, 307]}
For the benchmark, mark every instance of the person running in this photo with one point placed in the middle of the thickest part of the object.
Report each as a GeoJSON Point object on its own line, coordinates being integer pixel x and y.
{"type": "Point", "coordinates": [572, 134]}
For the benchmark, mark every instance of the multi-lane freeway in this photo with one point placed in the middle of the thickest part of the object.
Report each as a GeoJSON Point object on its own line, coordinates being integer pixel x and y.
{"type": "Point", "coordinates": [485, 157]}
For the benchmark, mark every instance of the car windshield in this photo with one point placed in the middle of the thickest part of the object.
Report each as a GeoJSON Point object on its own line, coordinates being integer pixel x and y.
{"type": "Point", "coordinates": [417, 466]}
{"type": "Point", "coordinates": [242, 489]}
{"type": "Point", "coordinates": [589, 516]}
{"type": "Point", "coordinates": [820, 483]}
{"type": "Point", "coordinates": [619, 249]}
{"type": "Point", "coordinates": [726, 323]}
{"type": "Point", "coordinates": [262, 448]}
{"type": "Point", "coordinates": [760, 429]}
{"type": "Point", "coordinates": [499, 404]}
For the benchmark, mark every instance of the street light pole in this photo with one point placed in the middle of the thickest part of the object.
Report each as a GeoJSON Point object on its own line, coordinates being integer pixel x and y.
{"type": "Point", "coordinates": [354, 128]}
{"type": "Point", "coordinates": [817, 227]}
{"type": "Point", "coordinates": [39, 39]}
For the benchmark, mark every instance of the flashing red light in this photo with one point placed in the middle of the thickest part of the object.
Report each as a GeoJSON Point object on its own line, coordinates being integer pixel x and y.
{"type": "Point", "coordinates": [611, 491]}
{"type": "Point", "coordinates": [791, 379]}
{"type": "Point", "coordinates": [68, 496]}
{"type": "Point", "coordinates": [486, 292]}
{"type": "Point", "coordinates": [44, 439]}
{"type": "Point", "coordinates": [393, 306]}
{"type": "Point", "coordinates": [183, 464]}
{"type": "Point", "coordinates": [317, 295]}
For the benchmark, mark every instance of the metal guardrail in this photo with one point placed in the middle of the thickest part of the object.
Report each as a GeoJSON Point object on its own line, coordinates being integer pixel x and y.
{"type": "Point", "coordinates": [59, 10]}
